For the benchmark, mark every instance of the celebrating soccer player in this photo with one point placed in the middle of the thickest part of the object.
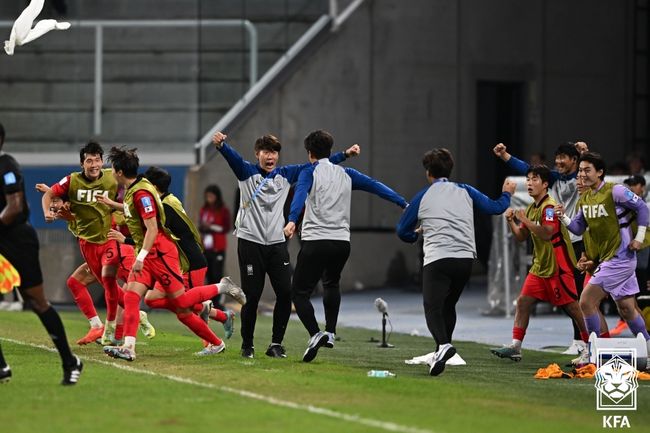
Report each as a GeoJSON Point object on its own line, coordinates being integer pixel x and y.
{"type": "Point", "coordinates": [605, 210]}
{"type": "Point", "coordinates": [550, 278]}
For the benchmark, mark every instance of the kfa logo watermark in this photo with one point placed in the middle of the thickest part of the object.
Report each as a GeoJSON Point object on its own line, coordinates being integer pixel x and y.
{"type": "Point", "coordinates": [616, 384]}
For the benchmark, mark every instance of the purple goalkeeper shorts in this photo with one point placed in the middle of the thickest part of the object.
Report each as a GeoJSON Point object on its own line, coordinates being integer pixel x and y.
{"type": "Point", "coordinates": [616, 277]}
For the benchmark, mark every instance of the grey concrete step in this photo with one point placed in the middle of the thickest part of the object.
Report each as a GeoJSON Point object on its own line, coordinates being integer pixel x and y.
{"type": "Point", "coordinates": [272, 36]}
{"type": "Point", "coordinates": [76, 126]}
{"type": "Point", "coordinates": [179, 9]}
{"type": "Point", "coordinates": [26, 95]}
{"type": "Point", "coordinates": [171, 66]}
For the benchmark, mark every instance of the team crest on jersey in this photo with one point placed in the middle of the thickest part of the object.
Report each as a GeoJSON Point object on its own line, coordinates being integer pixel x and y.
{"type": "Point", "coordinates": [594, 211]}
{"type": "Point", "coordinates": [549, 214]}
{"type": "Point", "coordinates": [146, 204]}
{"type": "Point", "coordinates": [10, 178]}
{"type": "Point", "coordinates": [631, 196]}
{"type": "Point", "coordinates": [90, 195]}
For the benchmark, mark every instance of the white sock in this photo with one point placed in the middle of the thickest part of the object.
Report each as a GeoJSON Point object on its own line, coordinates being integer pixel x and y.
{"type": "Point", "coordinates": [95, 322]}
{"type": "Point", "coordinates": [129, 342]}
{"type": "Point", "coordinates": [516, 344]}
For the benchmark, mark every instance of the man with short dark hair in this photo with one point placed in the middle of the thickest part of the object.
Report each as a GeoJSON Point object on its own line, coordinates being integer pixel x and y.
{"type": "Point", "coordinates": [605, 209]}
{"type": "Point", "coordinates": [446, 212]}
{"type": "Point", "coordinates": [157, 261]}
{"type": "Point", "coordinates": [19, 245]}
{"type": "Point", "coordinates": [562, 188]}
{"type": "Point", "coordinates": [93, 221]}
{"type": "Point", "coordinates": [261, 244]}
{"type": "Point", "coordinates": [325, 191]}
{"type": "Point", "coordinates": [550, 278]}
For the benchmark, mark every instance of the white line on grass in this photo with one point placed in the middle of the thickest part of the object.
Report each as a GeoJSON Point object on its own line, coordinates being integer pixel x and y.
{"type": "Point", "coordinates": [389, 426]}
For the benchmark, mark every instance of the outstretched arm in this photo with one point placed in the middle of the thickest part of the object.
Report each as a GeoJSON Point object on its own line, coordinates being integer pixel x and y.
{"type": "Point", "coordinates": [406, 227]}
{"type": "Point", "coordinates": [485, 204]}
{"type": "Point", "coordinates": [366, 183]}
{"type": "Point", "coordinates": [242, 169]}
{"type": "Point", "coordinates": [303, 187]}
{"type": "Point", "coordinates": [626, 198]}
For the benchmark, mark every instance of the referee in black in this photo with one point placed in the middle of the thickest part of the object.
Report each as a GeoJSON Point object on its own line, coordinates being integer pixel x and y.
{"type": "Point", "coordinates": [19, 245]}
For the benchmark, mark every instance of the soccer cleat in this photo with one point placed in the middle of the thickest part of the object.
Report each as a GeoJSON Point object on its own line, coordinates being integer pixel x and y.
{"type": "Point", "coordinates": [228, 286]}
{"type": "Point", "coordinates": [439, 360]}
{"type": "Point", "coordinates": [331, 337]}
{"type": "Point", "coordinates": [582, 359]}
{"type": "Point", "coordinates": [120, 352]}
{"type": "Point", "coordinates": [576, 348]}
{"type": "Point", "coordinates": [507, 352]}
{"type": "Point", "coordinates": [5, 374]}
{"type": "Point", "coordinates": [276, 351]}
{"type": "Point", "coordinates": [205, 311]}
{"type": "Point", "coordinates": [620, 327]}
{"type": "Point", "coordinates": [212, 349]}
{"type": "Point", "coordinates": [72, 373]}
{"type": "Point", "coordinates": [145, 326]}
{"type": "Point", "coordinates": [248, 352]}
{"type": "Point", "coordinates": [317, 341]}
{"type": "Point", "coordinates": [108, 336]}
{"type": "Point", "coordinates": [92, 335]}
{"type": "Point", "coordinates": [229, 324]}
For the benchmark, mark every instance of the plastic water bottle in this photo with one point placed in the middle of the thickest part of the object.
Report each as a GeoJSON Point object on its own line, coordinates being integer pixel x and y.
{"type": "Point", "coordinates": [380, 373]}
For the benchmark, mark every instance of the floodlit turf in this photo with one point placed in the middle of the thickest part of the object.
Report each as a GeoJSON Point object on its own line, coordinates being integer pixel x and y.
{"type": "Point", "coordinates": [487, 395]}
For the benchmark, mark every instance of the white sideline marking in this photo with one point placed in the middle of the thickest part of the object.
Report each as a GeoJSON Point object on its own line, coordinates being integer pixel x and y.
{"type": "Point", "coordinates": [389, 426]}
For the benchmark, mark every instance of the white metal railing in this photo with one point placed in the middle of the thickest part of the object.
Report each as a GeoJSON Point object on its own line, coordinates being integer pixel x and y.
{"type": "Point", "coordinates": [100, 25]}
{"type": "Point", "coordinates": [334, 19]}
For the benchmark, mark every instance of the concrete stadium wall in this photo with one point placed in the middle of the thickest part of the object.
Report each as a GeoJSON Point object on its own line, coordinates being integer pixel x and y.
{"type": "Point", "coordinates": [400, 78]}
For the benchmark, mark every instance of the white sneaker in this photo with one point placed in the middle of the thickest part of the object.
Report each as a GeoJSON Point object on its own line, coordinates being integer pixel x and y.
{"type": "Point", "coordinates": [331, 338]}
{"type": "Point", "coordinates": [205, 311]}
{"type": "Point", "coordinates": [212, 349]}
{"type": "Point", "coordinates": [4, 305]}
{"type": "Point", "coordinates": [576, 348]}
{"type": "Point", "coordinates": [228, 286]}
{"type": "Point", "coordinates": [582, 359]}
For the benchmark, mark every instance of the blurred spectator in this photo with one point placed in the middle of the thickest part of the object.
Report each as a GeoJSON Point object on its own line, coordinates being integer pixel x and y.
{"type": "Point", "coordinates": [636, 163]}
{"type": "Point", "coordinates": [618, 168]}
{"type": "Point", "coordinates": [214, 225]}
{"type": "Point", "coordinates": [637, 185]}
{"type": "Point", "coordinates": [537, 158]}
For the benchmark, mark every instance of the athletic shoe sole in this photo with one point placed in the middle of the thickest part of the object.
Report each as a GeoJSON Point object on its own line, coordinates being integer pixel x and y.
{"type": "Point", "coordinates": [311, 352]}
{"type": "Point", "coordinates": [515, 358]}
{"type": "Point", "coordinates": [439, 365]}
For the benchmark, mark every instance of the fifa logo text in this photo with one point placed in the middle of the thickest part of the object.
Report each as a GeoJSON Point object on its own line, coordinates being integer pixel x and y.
{"type": "Point", "coordinates": [594, 211]}
{"type": "Point", "coordinates": [90, 195]}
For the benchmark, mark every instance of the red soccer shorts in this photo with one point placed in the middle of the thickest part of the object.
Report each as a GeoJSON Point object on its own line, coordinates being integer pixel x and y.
{"type": "Point", "coordinates": [127, 257]}
{"type": "Point", "coordinates": [558, 290]}
{"type": "Point", "coordinates": [161, 266]}
{"type": "Point", "coordinates": [99, 255]}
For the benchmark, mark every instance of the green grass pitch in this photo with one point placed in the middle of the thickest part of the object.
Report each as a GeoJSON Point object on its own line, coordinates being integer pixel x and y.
{"type": "Point", "coordinates": [168, 389]}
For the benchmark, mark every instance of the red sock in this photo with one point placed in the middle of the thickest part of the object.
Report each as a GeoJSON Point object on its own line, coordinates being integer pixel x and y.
{"type": "Point", "coordinates": [131, 313]}
{"type": "Point", "coordinates": [82, 298]}
{"type": "Point", "coordinates": [199, 327]}
{"type": "Point", "coordinates": [585, 336]}
{"type": "Point", "coordinates": [161, 304]}
{"type": "Point", "coordinates": [518, 333]}
{"type": "Point", "coordinates": [605, 335]}
{"type": "Point", "coordinates": [119, 331]}
{"type": "Point", "coordinates": [120, 297]}
{"type": "Point", "coordinates": [110, 292]}
{"type": "Point", "coordinates": [196, 296]}
{"type": "Point", "coordinates": [221, 316]}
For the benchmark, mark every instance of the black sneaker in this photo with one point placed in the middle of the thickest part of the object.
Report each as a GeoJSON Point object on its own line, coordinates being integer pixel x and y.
{"type": "Point", "coordinates": [71, 374]}
{"type": "Point", "coordinates": [317, 341]}
{"type": "Point", "coordinates": [5, 374]}
{"type": "Point", "coordinates": [248, 352]}
{"type": "Point", "coordinates": [276, 351]}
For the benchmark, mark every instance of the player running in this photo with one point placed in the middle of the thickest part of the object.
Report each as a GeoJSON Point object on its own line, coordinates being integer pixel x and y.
{"type": "Point", "coordinates": [551, 277]}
